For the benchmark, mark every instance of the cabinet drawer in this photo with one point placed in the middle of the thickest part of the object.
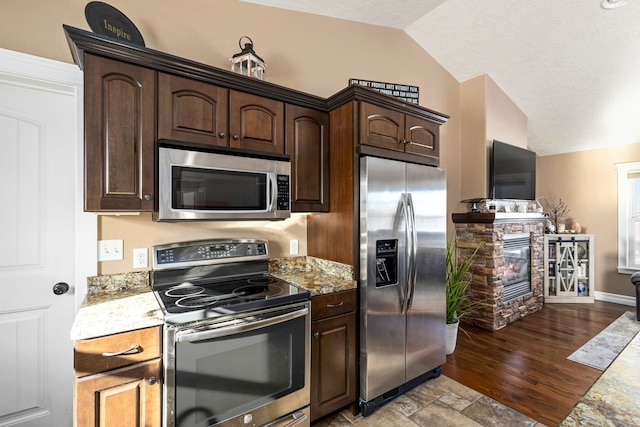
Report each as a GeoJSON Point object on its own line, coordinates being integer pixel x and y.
{"type": "Point", "coordinates": [115, 351]}
{"type": "Point", "coordinates": [333, 304]}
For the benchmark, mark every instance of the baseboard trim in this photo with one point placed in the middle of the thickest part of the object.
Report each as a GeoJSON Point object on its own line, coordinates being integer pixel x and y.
{"type": "Point", "coordinates": [615, 298]}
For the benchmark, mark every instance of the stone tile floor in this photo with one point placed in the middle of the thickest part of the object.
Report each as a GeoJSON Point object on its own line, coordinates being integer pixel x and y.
{"type": "Point", "coordinates": [440, 402]}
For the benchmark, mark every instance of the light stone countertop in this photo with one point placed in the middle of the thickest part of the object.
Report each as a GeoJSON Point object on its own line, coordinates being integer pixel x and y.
{"type": "Point", "coordinates": [124, 302]}
{"type": "Point", "coordinates": [116, 303]}
{"type": "Point", "coordinates": [315, 275]}
{"type": "Point", "coordinates": [115, 316]}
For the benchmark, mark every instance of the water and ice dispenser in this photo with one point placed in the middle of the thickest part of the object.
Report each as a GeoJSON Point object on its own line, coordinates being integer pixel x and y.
{"type": "Point", "coordinates": [386, 262]}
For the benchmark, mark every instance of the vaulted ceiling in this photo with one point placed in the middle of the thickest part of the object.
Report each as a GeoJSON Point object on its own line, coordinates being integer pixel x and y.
{"type": "Point", "coordinates": [572, 66]}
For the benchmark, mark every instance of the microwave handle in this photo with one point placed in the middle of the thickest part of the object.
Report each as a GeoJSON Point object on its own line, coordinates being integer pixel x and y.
{"type": "Point", "coordinates": [273, 184]}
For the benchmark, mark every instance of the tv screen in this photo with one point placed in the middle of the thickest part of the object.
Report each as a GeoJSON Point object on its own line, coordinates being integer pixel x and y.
{"type": "Point", "coordinates": [512, 172]}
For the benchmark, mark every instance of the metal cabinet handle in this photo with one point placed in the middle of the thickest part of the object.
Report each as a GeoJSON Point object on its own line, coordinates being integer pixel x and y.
{"type": "Point", "coordinates": [152, 381]}
{"type": "Point", "coordinates": [147, 197]}
{"type": "Point", "coordinates": [340, 304]}
{"type": "Point", "coordinates": [236, 137]}
{"type": "Point", "coordinates": [222, 134]}
{"type": "Point", "coordinates": [134, 349]}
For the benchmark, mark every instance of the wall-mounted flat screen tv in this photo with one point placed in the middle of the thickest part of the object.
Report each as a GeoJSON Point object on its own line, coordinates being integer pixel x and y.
{"type": "Point", "coordinates": [512, 172]}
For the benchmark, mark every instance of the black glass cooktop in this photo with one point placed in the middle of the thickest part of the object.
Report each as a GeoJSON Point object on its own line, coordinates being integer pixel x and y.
{"type": "Point", "coordinates": [187, 296]}
{"type": "Point", "coordinates": [208, 278]}
{"type": "Point", "coordinates": [232, 296]}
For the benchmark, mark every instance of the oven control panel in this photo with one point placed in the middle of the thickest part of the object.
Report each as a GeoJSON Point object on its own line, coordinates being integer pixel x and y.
{"type": "Point", "coordinates": [201, 252]}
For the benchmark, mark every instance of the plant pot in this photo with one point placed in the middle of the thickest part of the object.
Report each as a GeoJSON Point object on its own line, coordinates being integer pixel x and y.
{"type": "Point", "coordinates": [451, 337]}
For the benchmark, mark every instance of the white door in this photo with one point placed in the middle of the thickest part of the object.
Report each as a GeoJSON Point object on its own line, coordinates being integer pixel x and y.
{"type": "Point", "coordinates": [43, 236]}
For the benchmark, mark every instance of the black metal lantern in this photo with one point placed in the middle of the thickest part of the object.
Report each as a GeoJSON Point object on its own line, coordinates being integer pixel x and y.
{"type": "Point", "coordinates": [247, 62]}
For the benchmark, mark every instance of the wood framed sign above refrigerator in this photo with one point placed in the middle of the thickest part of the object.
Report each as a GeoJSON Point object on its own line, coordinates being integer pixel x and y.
{"type": "Point", "coordinates": [406, 93]}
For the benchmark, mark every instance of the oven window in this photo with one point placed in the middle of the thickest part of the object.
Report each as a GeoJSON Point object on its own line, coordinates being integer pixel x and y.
{"type": "Point", "coordinates": [218, 189]}
{"type": "Point", "coordinates": [225, 377]}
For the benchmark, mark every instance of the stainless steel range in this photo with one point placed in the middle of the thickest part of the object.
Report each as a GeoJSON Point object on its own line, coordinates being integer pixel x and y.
{"type": "Point", "coordinates": [236, 339]}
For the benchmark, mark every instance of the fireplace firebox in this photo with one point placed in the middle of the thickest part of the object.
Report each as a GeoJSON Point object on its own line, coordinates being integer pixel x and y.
{"type": "Point", "coordinates": [516, 277]}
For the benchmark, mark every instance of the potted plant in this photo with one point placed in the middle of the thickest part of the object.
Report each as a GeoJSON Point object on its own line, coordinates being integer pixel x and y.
{"type": "Point", "coordinates": [457, 283]}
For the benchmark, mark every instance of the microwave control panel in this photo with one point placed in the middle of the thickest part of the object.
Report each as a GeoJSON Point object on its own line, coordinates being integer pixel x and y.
{"type": "Point", "coordinates": [283, 193]}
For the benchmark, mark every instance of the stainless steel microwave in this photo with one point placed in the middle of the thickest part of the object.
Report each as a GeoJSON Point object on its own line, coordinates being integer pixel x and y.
{"type": "Point", "coordinates": [205, 185]}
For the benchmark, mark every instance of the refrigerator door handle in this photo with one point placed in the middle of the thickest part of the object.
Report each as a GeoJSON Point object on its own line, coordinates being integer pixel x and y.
{"type": "Point", "coordinates": [404, 298]}
{"type": "Point", "coordinates": [413, 254]}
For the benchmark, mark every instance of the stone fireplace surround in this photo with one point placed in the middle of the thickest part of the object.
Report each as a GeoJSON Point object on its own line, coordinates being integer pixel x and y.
{"type": "Point", "coordinates": [487, 230]}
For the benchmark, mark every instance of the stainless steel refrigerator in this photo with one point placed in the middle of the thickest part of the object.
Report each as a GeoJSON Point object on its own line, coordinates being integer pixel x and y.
{"type": "Point", "coordinates": [402, 277]}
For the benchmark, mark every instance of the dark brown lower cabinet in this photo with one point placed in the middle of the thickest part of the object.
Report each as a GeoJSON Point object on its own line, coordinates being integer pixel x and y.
{"type": "Point", "coordinates": [333, 352]}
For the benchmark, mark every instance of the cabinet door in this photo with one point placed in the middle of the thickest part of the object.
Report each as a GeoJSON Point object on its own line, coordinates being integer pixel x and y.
{"type": "Point", "coordinates": [421, 137]}
{"type": "Point", "coordinates": [256, 123]}
{"type": "Point", "coordinates": [566, 268]}
{"type": "Point", "coordinates": [569, 270]}
{"type": "Point", "coordinates": [333, 369]}
{"type": "Point", "coordinates": [119, 113]}
{"type": "Point", "coordinates": [191, 110]}
{"type": "Point", "coordinates": [129, 396]}
{"type": "Point", "coordinates": [380, 127]}
{"type": "Point", "coordinates": [307, 142]}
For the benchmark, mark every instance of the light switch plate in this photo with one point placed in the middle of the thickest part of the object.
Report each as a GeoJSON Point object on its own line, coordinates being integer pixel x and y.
{"type": "Point", "coordinates": [109, 250]}
{"type": "Point", "coordinates": [293, 247]}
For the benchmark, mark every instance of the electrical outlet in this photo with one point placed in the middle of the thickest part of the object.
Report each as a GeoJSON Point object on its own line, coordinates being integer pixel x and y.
{"type": "Point", "coordinates": [293, 247]}
{"type": "Point", "coordinates": [109, 250]}
{"type": "Point", "coordinates": [140, 258]}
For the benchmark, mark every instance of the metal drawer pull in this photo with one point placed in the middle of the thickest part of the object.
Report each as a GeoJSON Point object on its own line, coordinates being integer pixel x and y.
{"type": "Point", "coordinates": [134, 349]}
{"type": "Point", "coordinates": [340, 304]}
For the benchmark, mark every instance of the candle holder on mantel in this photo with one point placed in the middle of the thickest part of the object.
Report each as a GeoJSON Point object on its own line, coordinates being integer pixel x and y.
{"type": "Point", "coordinates": [474, 204]}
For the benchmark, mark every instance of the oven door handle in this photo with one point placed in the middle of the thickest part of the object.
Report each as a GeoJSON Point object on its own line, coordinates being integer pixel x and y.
{"type": "Point", "coordinates": [188, 336]}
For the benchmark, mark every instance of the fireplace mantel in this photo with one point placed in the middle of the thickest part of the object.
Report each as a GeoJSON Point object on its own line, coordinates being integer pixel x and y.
{"type": "Point", "coordinates": [491, 217]}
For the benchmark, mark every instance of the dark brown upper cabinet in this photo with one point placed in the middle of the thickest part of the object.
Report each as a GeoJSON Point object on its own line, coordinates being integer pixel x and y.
{"type": "Point", "coordinates": [395, 130]}
{"type": "Point", "coordinates": [193, 111]}
{"type": "Point", "coordinates": [256, 123]}
{"type": "Point", "coordinates": [119, 110]}
{"type": "Point", "coordinates": [307, 142]}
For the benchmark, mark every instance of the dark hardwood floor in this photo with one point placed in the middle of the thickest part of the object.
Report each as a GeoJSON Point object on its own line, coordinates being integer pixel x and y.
{"type": "Point", "coordinates": [524, 365]}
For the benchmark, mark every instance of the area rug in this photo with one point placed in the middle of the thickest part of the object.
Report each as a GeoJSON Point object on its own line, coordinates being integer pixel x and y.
{"type": "Point", "coordinates": [600, 351]}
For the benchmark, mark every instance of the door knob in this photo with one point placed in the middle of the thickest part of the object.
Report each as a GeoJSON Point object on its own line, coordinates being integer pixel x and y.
{"type": "Point", "coordinates": [60, 288]}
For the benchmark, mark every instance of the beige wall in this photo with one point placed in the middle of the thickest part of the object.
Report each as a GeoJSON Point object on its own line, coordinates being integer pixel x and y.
{"type": "Point", "coordinates": [473, 164]}
{"type": "Point", "coordinates": [309, 53]}
{"type": "Point", "coordinates": [505, 121]}
{"type": "Point", "coordinates": [487, 114]}
{"type": "Point", "coordinates": [587, 182]}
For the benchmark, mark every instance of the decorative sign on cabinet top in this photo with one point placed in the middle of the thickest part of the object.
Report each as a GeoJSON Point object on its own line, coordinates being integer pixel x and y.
{"type": "Point", "coordinates": [405, 93]}
{"type": "Point", "coordinates": [107, 20]}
